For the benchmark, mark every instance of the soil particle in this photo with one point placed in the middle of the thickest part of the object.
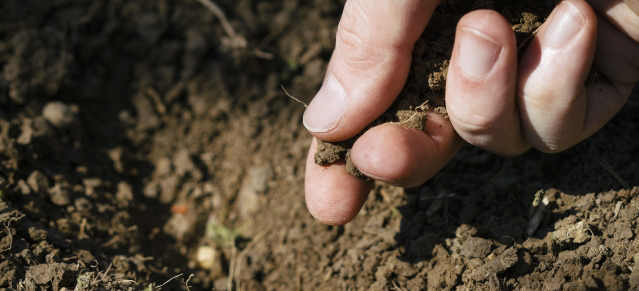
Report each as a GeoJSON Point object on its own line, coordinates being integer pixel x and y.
{"type": "Point", "coordinates": [38, 182]}
{"type": "Point", "coordinates": [254, 186]}
{"type": "Point", "coordinates": [60, 194]}
{"type": "Point", "coordinates": [59, 114]}
{"type": "Point", "coordinates": [476, 247]}
{"type": "Point", "coordinates": [124, 194]}
{"type": "Point", "coordinates": [328, 153]}
{"type": "Point", "coordinates": [50, 276]}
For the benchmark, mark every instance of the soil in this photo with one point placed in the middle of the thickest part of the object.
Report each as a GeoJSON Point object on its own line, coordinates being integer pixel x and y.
{"type": "Point", "coordinates": [137, 145]}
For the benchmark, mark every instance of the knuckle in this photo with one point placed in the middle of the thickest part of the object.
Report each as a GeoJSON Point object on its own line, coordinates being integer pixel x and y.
{"type": "Point", "coordinates": [474, 125]}
{"type": "Point", "coordinates": [354, 48]}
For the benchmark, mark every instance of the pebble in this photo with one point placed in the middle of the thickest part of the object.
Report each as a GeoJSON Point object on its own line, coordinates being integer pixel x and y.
{"type": "Point", "coordinates": [255, 183]}
{"type": "Point", "coordinates": [476, 247]}
{"type": "Point", "coordinates": [59, 195]}
{"type": "Point", "coordinates": [59, 114]}
{"type": "Point", "coordinates": [125, 193]}
{"type": "Point", "coordinates": [205, 257]}
{"type": "Point", "coordinates": [38, 182]}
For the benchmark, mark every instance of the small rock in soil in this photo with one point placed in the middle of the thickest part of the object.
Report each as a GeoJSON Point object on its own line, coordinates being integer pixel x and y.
{"type": "Point", "coordinates": [255, 183]}
{"type": "Point", "coordinates": [60, 195]}
{"type": "Point", "coordinates": [476, 247]}
{"type": "Point", "coordinates": [38, 182]}
{"type": "Point", "coordinates": [49, 276]}
{"type": "Point", "coordinates": [82, 204]}
{"type": "Point", "coordinates": [125, 193]}
{"type": "Point", "coordinates": [59, 114]}
{"type": "Point", "coordinates": [184, 165]}
{"type": "Point", "coordinates": [168, 188]}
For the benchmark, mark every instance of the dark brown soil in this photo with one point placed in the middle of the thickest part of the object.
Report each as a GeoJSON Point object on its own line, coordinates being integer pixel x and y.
{"type": "Point", "coordinates": [135, 146]}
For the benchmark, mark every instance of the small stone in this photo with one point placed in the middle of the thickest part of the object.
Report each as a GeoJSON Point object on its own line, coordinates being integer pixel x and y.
{"type": "Point", "coordinates": [38, 182]}
{"type": "Point", "coordinates": [184, 165]}
{"type": "Point", "coordinates": [168, 188]}
{"type": "Point", "coordinates": [37, 234]}
{"type": "Point", "coordinates": [83, 205]}
{"type": "Point", "coordinates": [59, 114]}
{"type": "Point", "coordinates": [208, 258]}
{"type": "Point", "coordinates": [151, 190]}
{"type": "Point", "coordinates": [90, 185]}
{"type": "Point", "coordinates": [163, 167]}
{"type": "Point", "coordinates": [254, 184]}
{"type": "Point", "coordinates": [125, 193]}
{"type": "Point", "coordinates": [23, 187]}
{"type": "Point", "coordinates": [205, 256]}
{"type": "Point", "coordinates": [60, 195]}
{"type": "Point", "coordinates": [476, 247]}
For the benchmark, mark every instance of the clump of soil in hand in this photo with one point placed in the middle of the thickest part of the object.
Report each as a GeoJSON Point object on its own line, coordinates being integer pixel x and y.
{"type": "Point", "coordinates": [424, 88]}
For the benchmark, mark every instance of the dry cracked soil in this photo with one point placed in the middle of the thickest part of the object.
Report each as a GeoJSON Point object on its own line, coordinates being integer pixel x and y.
{"type": "Point", "coordinates": [143, 148]}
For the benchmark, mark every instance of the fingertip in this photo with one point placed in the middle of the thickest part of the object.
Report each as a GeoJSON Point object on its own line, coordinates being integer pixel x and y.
{"type": "Point", "coordinates": [333, 196]}
{"type": "Point", "coordinates": [481, 83]}
{"type": "Point", "coordinates": [403, 156]}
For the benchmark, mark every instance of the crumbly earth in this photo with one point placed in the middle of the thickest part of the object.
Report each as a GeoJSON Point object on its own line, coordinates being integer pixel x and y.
{"type": "Point", "coordinates": [431, 57]}
{"type": "Point", "coordinates": [168, 141]}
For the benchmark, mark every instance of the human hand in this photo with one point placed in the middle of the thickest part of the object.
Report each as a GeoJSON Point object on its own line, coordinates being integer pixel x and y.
{"type": "Point", "coordinates": [493, 102]}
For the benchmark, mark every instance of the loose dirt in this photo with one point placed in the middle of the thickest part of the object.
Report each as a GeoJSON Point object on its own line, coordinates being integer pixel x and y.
{"type": "Point", "coordinates": [136, 145]}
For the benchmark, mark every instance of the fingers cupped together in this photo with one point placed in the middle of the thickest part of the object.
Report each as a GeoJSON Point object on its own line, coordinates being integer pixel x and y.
{"type": "Point", "coordinates": [506, 107]}
{"type": "Point", "coordinates": [391, 153]}
{"type": "Point", "coordinates": [406, 157]}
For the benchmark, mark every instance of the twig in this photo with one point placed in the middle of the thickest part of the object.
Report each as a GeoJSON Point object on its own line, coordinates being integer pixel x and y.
{"type": "Point", "coordinates": [188, 288]}
{"type": "Point", "coordinates": [167, 281]}
{"type": "Point", "coordinates": [291, 96]}
{"type": "Point", "coordinates": [616, 210]}
{"type": "Point", "coordinates": [83, 225]}
{"type": "Point", "coordinates": [255, 240]}
{"type": "Point", "coordinates": [103, 275]}
{"type": "Point", "coordinates": [612, 171]}
{"type": "Point", "coordinates": [236, 41]}
{"type": "Point", "coordinates": [228, 28]}
{"type": "Point", "coordinates": [536, 219]}
{"type": "Point", "coordinates": [159, 106]}
{"type": "Point", "coordinates": [6, 225]}
{"type": "Point", "coordinates": [229, 282]}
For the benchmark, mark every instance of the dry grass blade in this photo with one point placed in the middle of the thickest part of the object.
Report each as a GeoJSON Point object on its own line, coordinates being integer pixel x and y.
{"type": "Point", "coordinates": [236, 41]}
{"type": "Point", "coordinates": [612, 171]}
{"type": "Point", "coordinates": [220, 14]}
{"type": "Point", "coordinates": [167, 281]}
{"type": "Point", "coordinates": [186, 283]}
{"type": "Point", "coordinates": [229, 282]}
{"type": "Point", "coordinates": [291, 96]}
{"type": "Point", "coordinates": [255, 240]}
{"type": "Point", "coordinates": [10, 235]}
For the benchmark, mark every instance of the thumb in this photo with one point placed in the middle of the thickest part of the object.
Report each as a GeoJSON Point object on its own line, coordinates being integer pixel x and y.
{"type": "Point", "coordinates": [369, 66]}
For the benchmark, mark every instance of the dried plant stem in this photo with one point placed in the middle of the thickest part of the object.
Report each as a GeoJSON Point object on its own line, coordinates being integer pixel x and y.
{"type": "Point", "coordinates": [291, 96]}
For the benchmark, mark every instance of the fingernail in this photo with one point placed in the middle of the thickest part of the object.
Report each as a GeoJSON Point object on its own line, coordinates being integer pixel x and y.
{"type": "Point", "coordinates": [478, 53]}
{"type": "Point", "coordinates": [564, 23]}
{"type": "Point", "coordinates": [327, 108]}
